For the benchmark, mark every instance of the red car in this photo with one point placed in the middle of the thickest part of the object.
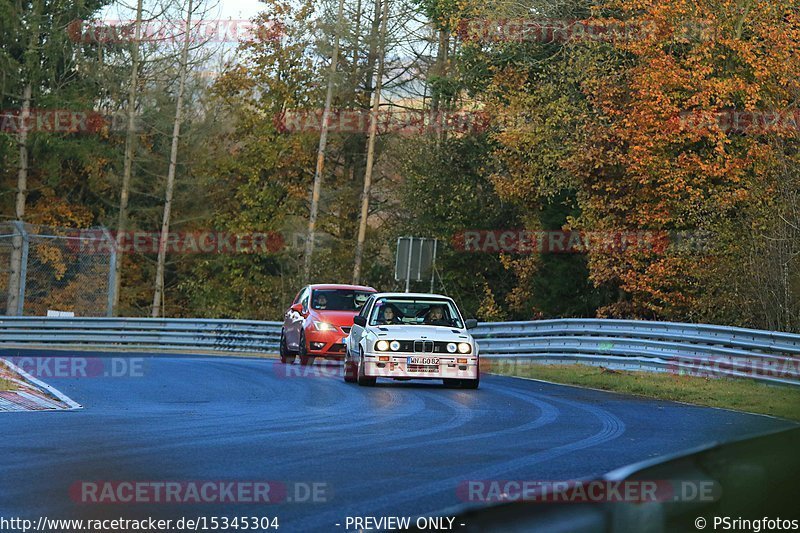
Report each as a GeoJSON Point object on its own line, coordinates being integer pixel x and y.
{"type": "Point", "coordinates": [318, 319]}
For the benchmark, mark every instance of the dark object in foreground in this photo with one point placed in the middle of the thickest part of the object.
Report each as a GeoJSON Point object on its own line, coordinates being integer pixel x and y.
{"type": "Point", "coordinates": [754, 478]}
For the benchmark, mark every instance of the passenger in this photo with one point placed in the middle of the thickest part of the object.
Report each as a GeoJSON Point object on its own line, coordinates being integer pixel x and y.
{"type": "Point", "coordinates": [436, 317]}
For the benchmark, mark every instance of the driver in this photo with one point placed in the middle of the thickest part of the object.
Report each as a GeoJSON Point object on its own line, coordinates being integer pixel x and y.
{"type": "Point", "coordinates": [322, 302]}
{"type": "Point", "coordinates": [436, 317]}
{"type": "Point", "coordinates": [388, 315]}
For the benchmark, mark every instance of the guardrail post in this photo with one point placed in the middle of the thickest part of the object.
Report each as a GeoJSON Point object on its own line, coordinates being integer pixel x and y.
{"type": "Point", "coordinates": [112, 273]}
{"type": "Point", "coordinates": [23, 273]}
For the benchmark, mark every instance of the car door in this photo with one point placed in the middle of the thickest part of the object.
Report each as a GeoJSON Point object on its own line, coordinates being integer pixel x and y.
{"type": "Point", "coordinates": [358, 331]}
{"type": "Point", "coordinates": [287, 316]}
{"type": "Point", "coordinates": [294, 320]}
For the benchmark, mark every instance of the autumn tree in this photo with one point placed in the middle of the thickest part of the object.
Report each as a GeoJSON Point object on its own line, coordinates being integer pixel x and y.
{"type": "Point", "coordinates": [660, 153]}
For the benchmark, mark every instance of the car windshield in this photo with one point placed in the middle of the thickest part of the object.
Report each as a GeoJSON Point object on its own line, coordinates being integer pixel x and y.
{"type": "Point", "coordinates": [418, 312]}
{"type": "Point", "coordinates": [338, 299]}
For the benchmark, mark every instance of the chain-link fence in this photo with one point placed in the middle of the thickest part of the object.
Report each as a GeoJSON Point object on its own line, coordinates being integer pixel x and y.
{"type": "Point", "coordinates": [59, 269]}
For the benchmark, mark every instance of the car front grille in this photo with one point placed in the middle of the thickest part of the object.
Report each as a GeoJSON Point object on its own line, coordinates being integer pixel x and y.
{"type": "Point", "coordinates": [423, 346]}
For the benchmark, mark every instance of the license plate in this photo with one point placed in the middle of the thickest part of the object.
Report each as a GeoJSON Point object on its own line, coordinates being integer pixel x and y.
{"type": "Point", "coordinates": [423, 361]}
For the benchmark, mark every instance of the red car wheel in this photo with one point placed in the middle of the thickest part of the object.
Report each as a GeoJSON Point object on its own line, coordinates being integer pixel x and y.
{"type": "Point", "coordinates": [302, 351]}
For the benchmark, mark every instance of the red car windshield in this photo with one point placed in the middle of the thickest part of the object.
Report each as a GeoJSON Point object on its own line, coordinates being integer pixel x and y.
{"type": "Point", "coordinates": [338, 299]}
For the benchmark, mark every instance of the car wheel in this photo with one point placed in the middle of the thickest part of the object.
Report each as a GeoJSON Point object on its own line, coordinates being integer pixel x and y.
{"type": "Point", "coordinates": [349, 369]}
{"type": "Point", "coordinates": [302, 351]}
{"type": "Point", "coordinates": [287, 357]}
{"type": "Point", "coordinates": [363, 380]}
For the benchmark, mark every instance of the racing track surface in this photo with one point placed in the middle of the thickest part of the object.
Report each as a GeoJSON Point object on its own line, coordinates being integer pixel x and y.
{"type": "Point", "coordinates": [395, 449]}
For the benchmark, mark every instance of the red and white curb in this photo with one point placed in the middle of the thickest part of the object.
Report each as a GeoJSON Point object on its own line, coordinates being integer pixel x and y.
{"type": "Point", "coordinates": [33, 394]}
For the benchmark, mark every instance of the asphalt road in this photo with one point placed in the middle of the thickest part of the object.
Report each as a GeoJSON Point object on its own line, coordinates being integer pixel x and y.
{"type": "Point", "coordinates": [395, 449]}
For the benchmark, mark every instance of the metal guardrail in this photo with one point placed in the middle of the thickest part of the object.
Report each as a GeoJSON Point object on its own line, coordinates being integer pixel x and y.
{"type": "Point", "coordinates": [155, 334]}
{"type": "Point", "coordinates": [699, 349]}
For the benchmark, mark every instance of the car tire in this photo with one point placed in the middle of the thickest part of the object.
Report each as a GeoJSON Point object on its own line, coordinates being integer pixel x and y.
{"type": "Point", "coordinates": [287, 357]}
{"type": "Point", "coordinates": [349, 369]}
{"type": "Point", "coordinates": [302, 351]}
{"type": "Point", "coordinates": [361, 379]}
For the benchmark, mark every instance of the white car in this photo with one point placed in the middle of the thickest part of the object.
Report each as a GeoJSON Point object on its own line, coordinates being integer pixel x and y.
{"type": "Point", "coordinates": [411, 336]}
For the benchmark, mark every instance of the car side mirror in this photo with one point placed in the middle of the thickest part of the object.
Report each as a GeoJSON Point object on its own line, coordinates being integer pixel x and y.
{"type": "Point", "coordinates": [297, 308]}
{"type": "Point", "coordinates": [359, 320]}
{"type": "Point", "coordinates": [471, 323]}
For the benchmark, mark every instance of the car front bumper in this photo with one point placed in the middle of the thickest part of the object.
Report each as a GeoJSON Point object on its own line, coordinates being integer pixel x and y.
{"type": "Point", "coordinates": [326, 344]}
{"type": "Point", "coordinates": [398, 366]}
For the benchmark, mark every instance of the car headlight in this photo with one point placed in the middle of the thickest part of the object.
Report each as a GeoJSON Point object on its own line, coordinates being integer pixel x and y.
{"type": "Point", "coordinates": [451, 347]}
{"type": "Point", "coordinates": [394, 346]}
{"type": "Point", "coordinates": [464, 347]}
{"type": "Point", "coordinates": [381, 346]}
{"type": "Point", "coordinates": [324, 326]}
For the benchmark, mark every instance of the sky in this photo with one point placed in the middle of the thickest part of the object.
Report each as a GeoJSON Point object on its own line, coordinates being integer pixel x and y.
{"type": "Point", "coordinates": [223, 9]}
{"type": "Point", "coordinates": [240, 9]}
{"type": "Point", "coordinates": [216, 14]}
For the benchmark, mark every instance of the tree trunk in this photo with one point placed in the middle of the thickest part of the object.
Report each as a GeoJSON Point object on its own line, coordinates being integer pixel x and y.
{"type": "Point", "coordinates": [15, 276]}
{"type": "Point", "coordinates": [365, 102]}
{"type": "Point", "coordinates": [158, 291]}
{"type": "Point", "coordinates": [373, 133]}
{"type": "Point", "coordinates": [130, 139]}
{"type": "Point", "coordinates": [323, 142]}
{"type": "Point", "coordinates": [438, 103]}
{"type": "Point", "coordinates": [31, 63]}
{"type": "Point", "coordinates": [356, 38]}
{"type": "Point", "coordinates": [439, 68]}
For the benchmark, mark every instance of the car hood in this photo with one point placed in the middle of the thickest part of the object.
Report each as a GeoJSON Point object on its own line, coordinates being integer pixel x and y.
{"type": "Point", "coordinates": [407, 332]}
{"type": "Point", "coordinates": [337, 318]}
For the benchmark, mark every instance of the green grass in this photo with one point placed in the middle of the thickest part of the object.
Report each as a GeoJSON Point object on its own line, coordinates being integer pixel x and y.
{"type": "Point", "coordinates": [741, 395]}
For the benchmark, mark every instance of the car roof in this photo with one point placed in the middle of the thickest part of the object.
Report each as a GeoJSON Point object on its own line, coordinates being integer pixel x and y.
{"type": "Point", "coordinates": [341, 286]}
{"type": "Point", "coordinates": [412, 295]}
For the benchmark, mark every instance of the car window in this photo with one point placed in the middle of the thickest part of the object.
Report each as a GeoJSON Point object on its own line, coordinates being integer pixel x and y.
{"type": "Point", "coordinates": [338, 299]}
{"type": "Point", "coordinates": [415, 311]}
{"type": "Point", "coordinates": [304, 299]}
{"type": "Point", "coordinates": [366, 307]}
